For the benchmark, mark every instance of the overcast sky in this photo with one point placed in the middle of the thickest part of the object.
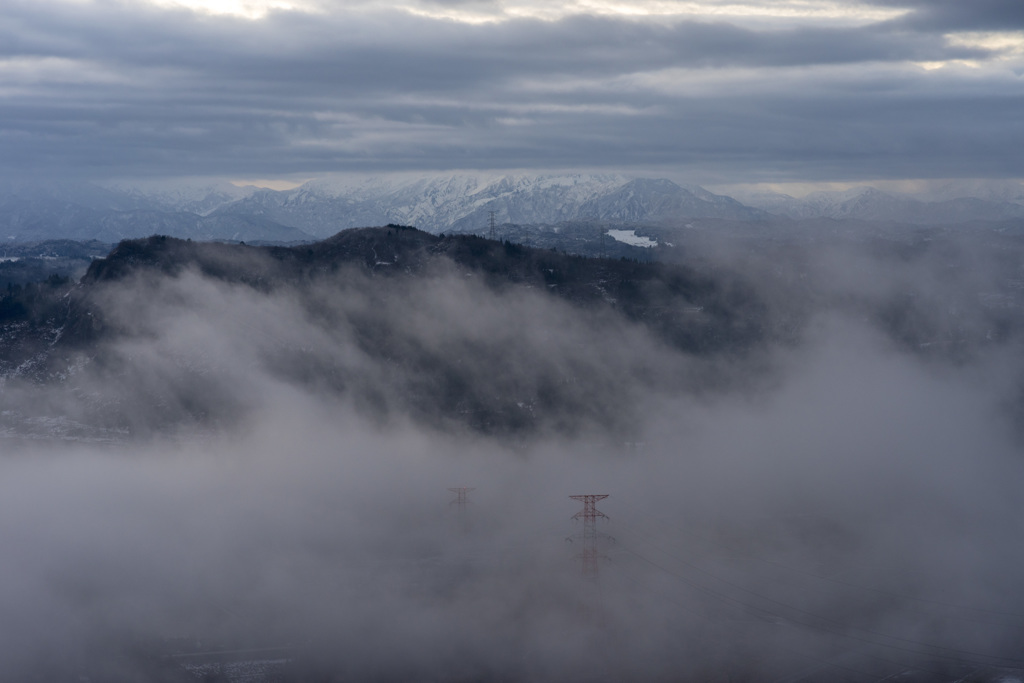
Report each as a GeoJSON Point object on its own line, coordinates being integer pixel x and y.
{"type": "Point", "coordinates": [716, 90]}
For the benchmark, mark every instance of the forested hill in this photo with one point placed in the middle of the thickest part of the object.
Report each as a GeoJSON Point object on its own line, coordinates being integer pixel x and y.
{"type": "Point", "coordinates": [447, 330]}
{"type": "Point", "coordinates": [694, 312]}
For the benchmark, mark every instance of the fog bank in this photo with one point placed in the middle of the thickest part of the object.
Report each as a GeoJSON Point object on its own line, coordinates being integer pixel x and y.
{"type": "Point", "coordinates": [832, 501]}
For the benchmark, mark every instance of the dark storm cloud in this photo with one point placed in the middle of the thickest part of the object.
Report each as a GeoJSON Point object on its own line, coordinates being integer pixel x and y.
{"type": "Point", "coordinates": [118, 89]}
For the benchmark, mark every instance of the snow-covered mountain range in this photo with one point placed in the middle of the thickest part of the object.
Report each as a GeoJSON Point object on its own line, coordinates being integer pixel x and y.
{"type": "Point", "coordinates": [463, 203]}
{"type": "Point", "coordinates": [450, 203]}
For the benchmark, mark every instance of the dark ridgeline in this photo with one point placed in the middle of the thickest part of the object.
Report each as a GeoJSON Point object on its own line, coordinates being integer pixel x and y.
{"type": "Point", "coordinates": [691, 314]}
{"type": "Point", "coordinates": [662, 296]}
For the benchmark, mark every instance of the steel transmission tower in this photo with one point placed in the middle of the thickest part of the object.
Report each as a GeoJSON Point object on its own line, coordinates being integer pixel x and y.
{"type": "Point", "coordinates": [491, 223]}
{"type": "Point", "coordinates": [460, 497]}
{"type": "Point", "coordinates": [590, 554]}
{"type": "Point", "coordinates": [461, 500]}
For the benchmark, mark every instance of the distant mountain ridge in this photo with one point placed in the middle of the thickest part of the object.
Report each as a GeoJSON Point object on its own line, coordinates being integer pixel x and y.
{"type": "Point", "coordinates": [460, 203]}
{"type": "Point", "coordinates": [871, 204]}
{"type": "Point", "coordinates": [321, 207]}
{"type": "Point", "coordinates": [463, 203]}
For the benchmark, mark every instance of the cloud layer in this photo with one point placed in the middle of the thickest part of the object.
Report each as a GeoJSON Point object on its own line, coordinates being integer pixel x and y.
{"type": "Point", "coordinates": [719, 92]}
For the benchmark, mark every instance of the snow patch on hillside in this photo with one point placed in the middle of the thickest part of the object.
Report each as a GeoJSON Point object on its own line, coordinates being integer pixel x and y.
{"type": "Point", "coordinates": [631, 238]}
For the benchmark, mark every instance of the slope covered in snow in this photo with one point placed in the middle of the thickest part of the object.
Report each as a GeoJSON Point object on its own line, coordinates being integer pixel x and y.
{"type": "Point", "coordinates": [464, 203]}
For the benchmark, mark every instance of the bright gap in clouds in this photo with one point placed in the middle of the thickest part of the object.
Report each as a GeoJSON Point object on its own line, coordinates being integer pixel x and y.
{"type": "Point", "coordinates": [249, 9]}
{"type": "Point", "coordinates": [1009, 43]}
{"type": "Point", "coordinates": [485, 12]}
{"type": "Point", "coordinates": [716, 10]}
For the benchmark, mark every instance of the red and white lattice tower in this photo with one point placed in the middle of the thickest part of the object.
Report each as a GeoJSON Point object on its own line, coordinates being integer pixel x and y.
{"type": "Point", "coordinates": [590, 537]}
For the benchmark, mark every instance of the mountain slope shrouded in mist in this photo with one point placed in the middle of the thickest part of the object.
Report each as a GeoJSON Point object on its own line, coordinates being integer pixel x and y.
{"type": "Point", "coordinates": [461, 363]}
{"type": "Point", "coordinates": [234, 462]}
{"type": "Point", "coordinates": [870, 204]}
{"type": "Point", "coordinates": [710, 323]}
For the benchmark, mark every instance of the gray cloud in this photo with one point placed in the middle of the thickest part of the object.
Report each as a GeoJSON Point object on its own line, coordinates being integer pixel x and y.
{"type": "Point", "coordinates": [949, 15]}
{"type": "Point", "coordinates": [102, 89]}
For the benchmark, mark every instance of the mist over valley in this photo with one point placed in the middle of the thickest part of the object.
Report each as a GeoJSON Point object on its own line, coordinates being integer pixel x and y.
{"type": "Point", "coordinates": [811, 448]}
